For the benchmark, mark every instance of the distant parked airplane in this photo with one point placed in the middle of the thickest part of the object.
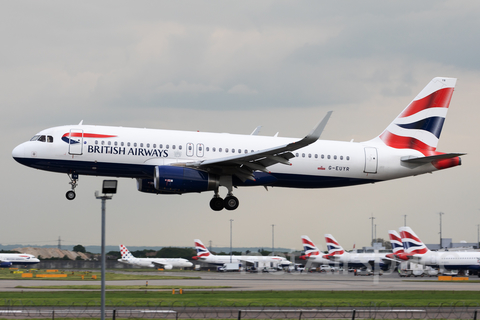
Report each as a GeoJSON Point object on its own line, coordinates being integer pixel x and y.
{"type": "Point", "coordinates": [165, 263]}
{"type": "Point", "coordinates": [204, 255]}
{"type": "Point", "coordinates": [417, 252]}
{"type": "Point", "coordinates": [177, 162]}
{"type": "Point", "coordinates": [9, 259]}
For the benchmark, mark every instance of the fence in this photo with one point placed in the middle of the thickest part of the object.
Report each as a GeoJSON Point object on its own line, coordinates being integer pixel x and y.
{"type": "Point", "coordinates": [15, 309]}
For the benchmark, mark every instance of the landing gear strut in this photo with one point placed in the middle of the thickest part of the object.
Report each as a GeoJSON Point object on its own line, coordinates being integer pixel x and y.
{"type": "Point", "coordinates": [70, 195]}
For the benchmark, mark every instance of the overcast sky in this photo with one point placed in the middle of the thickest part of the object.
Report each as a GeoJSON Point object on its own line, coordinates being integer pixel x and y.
{"type": "Point", "coordinates": [229, 66]}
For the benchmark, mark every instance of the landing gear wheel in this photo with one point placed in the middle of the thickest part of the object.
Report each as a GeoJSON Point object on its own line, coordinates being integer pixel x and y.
{"type": "Point", "coordinates": [231, 203]}
{"type": "Point", "coordinates": [70, 195]}
{"type": "Point", "coordinates": [216, 204]}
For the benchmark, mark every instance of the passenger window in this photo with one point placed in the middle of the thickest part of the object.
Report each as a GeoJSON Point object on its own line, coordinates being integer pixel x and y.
{"type": "Point", "coordinates": [103, 142]}
{"type": "Point", "coordinates": [122, 144]}
{"type": "Point", "coordinates": [180, 147]}
{"type": "Point", "coordinates": [341, 157]}
{"type": "Point", "coordinates": [226, 149]}
{"type": "Point", "coordinates": [109, 143]}
{"type": "Point", "coordinates": [154, 146]}
{"type": "Point", "coordinates": [167, 146]}
{"type": "Point", "coordinates": [303, 155]}
{"type": "Point", "coordinates": [328, 157]}
{"type": "Point", "coordinates": [96, 141]}
{"type": "Point", "coordinates": [309, 155]}
{"type": "Point", "coordinates": [335, 157]}
{"type": "Point", "coordinates": [141, 145]}
{"type": "Point", "coordinates": [316, 156]}
{"type": "Point", "coordinates": [160, 146]}
{"type": "Point", "coordinates": [115, 143]}
{"type": "Point", "coordinates": [213, 149]}
{"type": "Point", "coordinates": [128, 144]}
{"type": "Point", "coordinates": [219, 149]}
{"type": "Point", "coordinates": [207, 148]}
{"type": "Point", "coordinates": [323, 156]}
{"type": "Point", "coordinates": [233, 150]}
{"type": "Point", "coordinates": [296, 154]}
{"type": "Point", "coordinates": [246, 151]}
{"type": "Point", "coordinates": [239, 151]}
{"type": "Point", "coordinates": [135, 144]}
{"type": "Point", "coordinates": [348, 158]}
{"type": "Point", "coordinates": [173, 147]}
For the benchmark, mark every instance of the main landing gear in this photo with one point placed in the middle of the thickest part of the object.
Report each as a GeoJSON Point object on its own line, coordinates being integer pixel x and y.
{"type": "Point", "coordinates": [230, 202]}
{"type": "Point", "coordinates": [70, 195]}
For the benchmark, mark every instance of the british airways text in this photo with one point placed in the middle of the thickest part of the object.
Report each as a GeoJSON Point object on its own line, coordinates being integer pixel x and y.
{"type": "Point", "coordinates": [129, 151]}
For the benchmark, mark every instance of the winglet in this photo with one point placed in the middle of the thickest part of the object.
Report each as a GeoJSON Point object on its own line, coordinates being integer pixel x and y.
{"type": "Point", "coordinates": [256, 131]}
{"type": "Point", "coordinates": [314, 135]}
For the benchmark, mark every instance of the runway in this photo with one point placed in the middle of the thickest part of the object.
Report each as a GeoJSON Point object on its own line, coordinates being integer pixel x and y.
{"type": "Point", "coordinates": [269, 281]}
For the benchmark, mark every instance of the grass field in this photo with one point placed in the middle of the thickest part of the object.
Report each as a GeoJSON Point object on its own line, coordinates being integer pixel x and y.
{"type": "Point", "coordinates": [246, 298]}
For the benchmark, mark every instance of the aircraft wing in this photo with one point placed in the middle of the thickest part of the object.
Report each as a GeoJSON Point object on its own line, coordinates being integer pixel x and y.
{"type": "Point", "coordinates": [159, 264]}
{"type": "Point", "coordinates": [243, 165]}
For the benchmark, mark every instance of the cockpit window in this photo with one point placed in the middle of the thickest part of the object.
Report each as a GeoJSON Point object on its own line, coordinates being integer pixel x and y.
{"type": "Point", "coordinates": [42, 138]}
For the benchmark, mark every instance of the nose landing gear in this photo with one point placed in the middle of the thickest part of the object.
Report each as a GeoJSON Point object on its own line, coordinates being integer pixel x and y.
{"type": "Point", "coordinates": [70, 195]}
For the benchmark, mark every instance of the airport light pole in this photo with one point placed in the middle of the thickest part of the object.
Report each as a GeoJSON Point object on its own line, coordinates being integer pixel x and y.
{"type": "Point", "coordinates": [404, 220]}
{"type": "Point", "coordinates": [273, 239]}
{"type": "Point", "coordinates": [440, 214]}
{"type": "Point", "coordinates": [373, 218]}
{"type": "Point", "coordinates": [478, 235]}
{"type": "Point", "coordinates": [231, 220]}
{"type": "Point", "coordinates": [109, 187]}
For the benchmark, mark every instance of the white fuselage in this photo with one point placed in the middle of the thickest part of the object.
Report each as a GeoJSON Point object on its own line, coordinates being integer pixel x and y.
{"type": "Point", "coordinates": [133, 152]}
{"type": "Point", "coordinates": [21, 258]}
{"type": "Point", "coordinates": [166, 263]}
{"type": "Point", "coordinates": [450, 260]}
{"type": "Point", "coordinates": [245, 260]}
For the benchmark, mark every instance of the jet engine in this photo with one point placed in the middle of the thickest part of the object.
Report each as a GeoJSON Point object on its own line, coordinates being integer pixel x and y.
{"type": "Point", "coordinates": [5, 264]}
{"type": "Point", "coordinates": [167, 266]}
{"type": "Point", "coordinates": [171, 179]}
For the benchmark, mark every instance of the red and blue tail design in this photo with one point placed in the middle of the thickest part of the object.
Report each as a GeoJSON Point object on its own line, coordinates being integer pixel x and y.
{"type": "Point", "coordinates": [126, 255]}
{"type": "Point", "coordinates": [334, 248]}
{"type": "Point", "coordinates": [411, 242]}
{"type": "Point", "coordinates": [397, 246]}
{"type": "Point", "coordinates": [202, 251]}
{"type": "Point", "coordinates": [309, 247]}
{"type": "Point", "coordinates": [419, 126]}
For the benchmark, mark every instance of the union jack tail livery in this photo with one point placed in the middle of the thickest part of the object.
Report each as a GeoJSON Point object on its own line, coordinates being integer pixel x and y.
{"type": "Point", "coordinates": [202, 250]}
{"type": "Point", "coordinates": [309, 247]}
{"type": "Point", "coordinates": [419, 126]}
{"type": "Point", "coordinates": [334, 248]}
{"type": "Point", "coordinates": [397, 246]}
{"type": "Point", "coordinates": [413, 246]}
{"type": "Point", "coordinates": [126, 255]}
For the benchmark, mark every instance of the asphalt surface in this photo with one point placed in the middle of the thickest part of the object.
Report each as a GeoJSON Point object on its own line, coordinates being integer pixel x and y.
{"type": "Point", "coordinates": [272, 281]}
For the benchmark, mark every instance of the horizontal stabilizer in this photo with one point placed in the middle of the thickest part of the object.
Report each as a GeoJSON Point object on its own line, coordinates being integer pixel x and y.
{"type": "Point", "coordinates": [411, 159]}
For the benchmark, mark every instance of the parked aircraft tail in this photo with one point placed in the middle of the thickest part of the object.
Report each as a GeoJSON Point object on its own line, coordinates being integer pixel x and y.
{"type": "Point", "coordinates": [397, 246]}
{"type": "Point", "coordinates": [126, 255]}
{"type": "Point", "coordinates": [334, 248]}
{"type": "Point", "coordinates": [202, 250]}
{"type": "Point", "coordinates": [309, 247]}
{"type": "Point", "coordinates": [412, 244]}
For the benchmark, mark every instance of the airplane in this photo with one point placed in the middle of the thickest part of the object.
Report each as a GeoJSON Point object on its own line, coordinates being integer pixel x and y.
{"type": "Point", "coordinates": [9, 259]}
{"type": "Point", "coordinates": [165, 263]}
{"type": "Point", "coordinates": [337, 254]}
{"type": "Point", "coordinates": [417, 252]}
{"type": "Point", "coordinates": [204, 255]}
{"type": "Point", "coordinates": [312, 253]}
{"type": "Point", "coordinates": [178, 162]}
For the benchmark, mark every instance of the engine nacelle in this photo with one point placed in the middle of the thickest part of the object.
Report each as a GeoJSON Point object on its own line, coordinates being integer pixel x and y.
{"type": "Point", "coordinates": [146, 185]}
{"type": "Point", "coordinates": [171, 179]}
{"type": "Point", "coordinates": [5, 264]}
{"type": "Point", "coordinates": [167, 267]}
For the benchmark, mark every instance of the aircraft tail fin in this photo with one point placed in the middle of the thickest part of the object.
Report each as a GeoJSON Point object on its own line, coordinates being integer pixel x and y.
{"type": "Point", "coordinates": [420, 124]}
{"type": "Point", "coordinates": [334, 248]}
{"type": "Point", "coordinates": [396, 242]}
{"type": "Point", "coordinates": [126, 255]}
{"type": "Point", "coordinates": [309, 247]}
{"type": "Point", "coordinates": [202, 250]}
{"type": "Point", "coordinates": [412, 244]}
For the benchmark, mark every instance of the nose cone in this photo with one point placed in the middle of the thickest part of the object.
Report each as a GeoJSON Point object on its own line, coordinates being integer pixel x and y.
{"type": "Point", "coordinates": [19, 151]}
{"type": "Point", "coordinates": [189, 264]}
